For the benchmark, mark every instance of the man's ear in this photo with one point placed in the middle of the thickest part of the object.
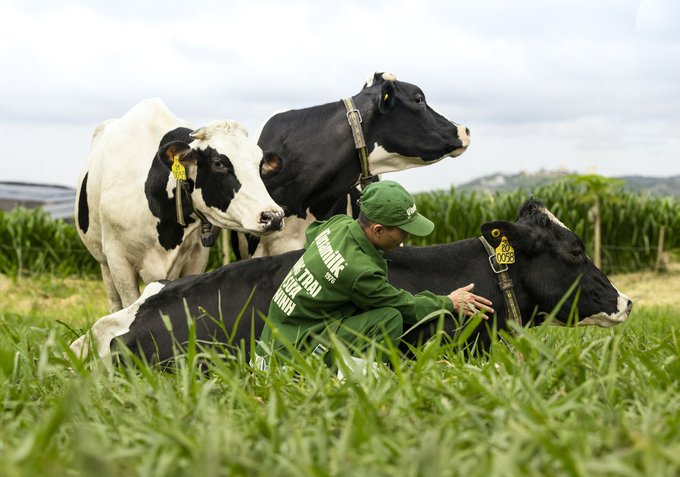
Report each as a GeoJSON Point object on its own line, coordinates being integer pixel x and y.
{"type": "Point", "coordinates": [270, 165]}
{"type": "Point", "coordinates": [167, 152]}
{"type": "Point", "coordinates": [387, 97]}
{"type": "Point", "coordinates": [494, 232]}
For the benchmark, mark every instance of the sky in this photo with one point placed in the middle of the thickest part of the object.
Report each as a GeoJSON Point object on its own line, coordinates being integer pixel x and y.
{"type": "Point", "coordinates": [541, 85]}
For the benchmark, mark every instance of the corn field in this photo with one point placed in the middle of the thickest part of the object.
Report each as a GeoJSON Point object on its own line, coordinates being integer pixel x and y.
{"type": "Point", "coordinates": [631, 221]}
{"type": "Point", "coordinates": [32, 243]}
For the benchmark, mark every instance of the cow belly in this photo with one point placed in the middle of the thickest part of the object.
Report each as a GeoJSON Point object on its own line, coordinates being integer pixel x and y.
{"type": "Point", "coordinates": [291, 238]}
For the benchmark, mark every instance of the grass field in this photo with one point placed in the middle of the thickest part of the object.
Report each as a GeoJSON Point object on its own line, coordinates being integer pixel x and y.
{"type": "Point", "coordinates": [583, 402]}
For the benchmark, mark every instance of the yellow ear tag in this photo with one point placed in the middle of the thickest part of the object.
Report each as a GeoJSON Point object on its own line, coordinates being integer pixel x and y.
{"type": "Point", "coordinates": [178, 171]}
{"type": "Point", "coordinates": [385, 98]}
{"type": "Point", "coordinates": [495, 232]}
{"type": "Point", "coordinates": [504, 252]}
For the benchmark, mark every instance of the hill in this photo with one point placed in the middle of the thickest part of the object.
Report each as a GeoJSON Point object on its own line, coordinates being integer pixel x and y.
{"type": "Point", "coordinates": [657, 186]}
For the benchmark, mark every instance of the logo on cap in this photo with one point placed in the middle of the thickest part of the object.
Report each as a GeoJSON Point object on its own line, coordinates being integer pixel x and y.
{"type": "Point", "coordinates": [410, 211]}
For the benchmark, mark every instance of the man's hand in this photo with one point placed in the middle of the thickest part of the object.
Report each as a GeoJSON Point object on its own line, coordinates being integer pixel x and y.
{"type": "Point", "coordinates": [469, 302]}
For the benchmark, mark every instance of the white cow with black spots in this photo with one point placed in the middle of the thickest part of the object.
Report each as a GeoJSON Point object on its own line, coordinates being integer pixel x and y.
{"type": "Point", "coordinates": [126, 211]}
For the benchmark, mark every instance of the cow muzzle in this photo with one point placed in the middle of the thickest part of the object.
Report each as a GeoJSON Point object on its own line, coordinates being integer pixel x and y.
{"type": "Point", "coordinates": [271, 221]}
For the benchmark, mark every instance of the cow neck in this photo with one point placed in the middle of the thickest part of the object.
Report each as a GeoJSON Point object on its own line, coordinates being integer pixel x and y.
{"type": "Point", "coordinates": [207, 235]}
{"type": "Point", "coordinates": [505, 285]}
{"type": "Point", "coordinates": [354, 118]}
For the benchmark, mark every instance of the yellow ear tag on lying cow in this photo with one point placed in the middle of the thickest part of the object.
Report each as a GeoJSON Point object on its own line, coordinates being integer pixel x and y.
{"type": "Point", "coordinates": [495, 232]}
{"type": "Point", "coordinates": [178, 171]}
{"type": "Point", "coordinates": [385, 98]}
{"type": "Point", "coordinates": [504, 252]}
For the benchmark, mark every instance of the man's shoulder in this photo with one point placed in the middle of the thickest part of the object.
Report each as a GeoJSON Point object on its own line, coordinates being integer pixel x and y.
{"type": "Point", "coordinates": [335, 222]}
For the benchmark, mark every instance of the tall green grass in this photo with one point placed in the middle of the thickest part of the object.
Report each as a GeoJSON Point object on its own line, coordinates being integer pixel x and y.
{"type": "Point", "coordinates": [589, 402]}
{"type": "Point", "coordinates": [630, 221]}
{"type": "Point", "coordinates": [33, 243]}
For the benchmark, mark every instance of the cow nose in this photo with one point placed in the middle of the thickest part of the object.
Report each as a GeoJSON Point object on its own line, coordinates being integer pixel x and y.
{"type": "Point", "coordinates": [467, 131]}
{"type": "Point", "coordinates": [271, 220]}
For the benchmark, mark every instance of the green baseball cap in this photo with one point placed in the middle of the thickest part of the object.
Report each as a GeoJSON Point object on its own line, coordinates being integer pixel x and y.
{"type": "Point", "coordinates": [388, 203]}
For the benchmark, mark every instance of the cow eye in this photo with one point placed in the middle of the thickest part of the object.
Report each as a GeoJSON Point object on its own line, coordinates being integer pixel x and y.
{"type": "Point", "coordinates": [218, 165]}
{"type": "Point", "coordinates": [420, 100]}
{"type": "Point", "coordinates": [577, 253]}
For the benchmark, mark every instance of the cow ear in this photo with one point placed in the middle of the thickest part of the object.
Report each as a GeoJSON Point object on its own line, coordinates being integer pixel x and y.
{"type": "Point", "coordinates": [494, 232]}
{"type": "Point", "coordinates": [270, 165]}
{"type": "Point", "coordinates": [167, 152]}
{"type": "Point", "coordinates": [387, 96]}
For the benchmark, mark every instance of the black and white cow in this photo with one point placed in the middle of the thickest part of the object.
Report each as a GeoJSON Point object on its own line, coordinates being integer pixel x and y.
{"type": "Point", "coordinates": [319, 159]}
{"type": "Point", "coordinates": [549, 258]}
{"type": "Point", "coordinates": [126, 212]}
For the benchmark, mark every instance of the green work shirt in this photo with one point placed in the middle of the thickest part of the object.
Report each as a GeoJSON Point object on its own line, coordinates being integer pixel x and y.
{"type": "Point", "coordinates": [340, 274]}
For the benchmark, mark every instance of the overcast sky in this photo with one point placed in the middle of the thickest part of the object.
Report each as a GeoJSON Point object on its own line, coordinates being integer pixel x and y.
{"type": "Point", "coordinates": [540, 84]}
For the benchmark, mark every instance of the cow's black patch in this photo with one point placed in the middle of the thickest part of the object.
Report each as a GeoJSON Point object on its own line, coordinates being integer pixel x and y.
{"type": "Point", "coordinates": [234, 245]}
{"type": "Point", "coordinates": [170, 232]}
{"type": "Point", "coordinates": [215, 178]}
{"type": "Point", "coordinates": [253, 242]}
{"type": "Point", "coordinates": [83, 207]}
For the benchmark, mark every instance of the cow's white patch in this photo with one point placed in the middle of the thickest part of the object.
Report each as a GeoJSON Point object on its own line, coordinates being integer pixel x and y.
{"type": "Point", "coordinates": [382, 161]}
{"type": "Point", "coordinates": [108, 327]}
{"type": "Point", "coordinates": [293, 239]}
{"type": "Point", "coordinates": [605, 320]}
{"type": "Point", "coordinates": [464, 138]}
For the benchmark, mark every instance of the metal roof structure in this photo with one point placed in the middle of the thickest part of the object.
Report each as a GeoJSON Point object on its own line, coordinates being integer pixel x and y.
{"type": "Point", "coordinates": [58, 201]}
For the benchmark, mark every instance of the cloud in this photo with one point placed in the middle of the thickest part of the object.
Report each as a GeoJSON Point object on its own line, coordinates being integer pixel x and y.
{"type": "Point", "coordinates": [602, 76]}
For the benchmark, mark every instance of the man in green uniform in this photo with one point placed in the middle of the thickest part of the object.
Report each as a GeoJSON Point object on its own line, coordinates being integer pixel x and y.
{"type": "Point", "coordinates": [339, 285]}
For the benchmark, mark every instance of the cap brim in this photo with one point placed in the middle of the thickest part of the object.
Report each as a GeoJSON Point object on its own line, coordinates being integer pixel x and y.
{"type": "Point", "coordinates": [420, 226]}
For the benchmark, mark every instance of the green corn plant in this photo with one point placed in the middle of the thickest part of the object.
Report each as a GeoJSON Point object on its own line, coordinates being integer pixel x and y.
{"type": "Point", "coordinates": [630, 223]}
{"type": "Point", "coordinates": [32, 243]}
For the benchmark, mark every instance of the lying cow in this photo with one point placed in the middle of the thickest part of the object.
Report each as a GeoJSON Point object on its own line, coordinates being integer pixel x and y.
{"type": "Point", "coordinates": [320, 163]}
{"type": "Point", "coordinates": [549, 258]}
{"type": "Point", "coordinates": [126, 212]}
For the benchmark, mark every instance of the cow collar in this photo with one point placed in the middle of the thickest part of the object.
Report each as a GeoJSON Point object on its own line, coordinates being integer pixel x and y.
{"type": "Point", "coordinates": [207, 235]}
{"type": "Point", "coordinates": [505, 286]}
{"type": "Point", "coordinates": [355, 120]}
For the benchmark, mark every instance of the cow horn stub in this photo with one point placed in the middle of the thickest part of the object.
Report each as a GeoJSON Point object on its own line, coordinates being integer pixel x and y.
{"type": "Point", "coordinates": [198, 134]}
{"type": "Point", "coordinates": [389, 77]}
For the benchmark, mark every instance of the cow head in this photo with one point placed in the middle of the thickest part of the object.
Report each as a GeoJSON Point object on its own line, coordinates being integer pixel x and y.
{"type": "Point", "coordinates": [403, 130]}
{"type": "Point", "coordinates": [226, 169]}
{"type": "Point", "coordinates": [552, 258]}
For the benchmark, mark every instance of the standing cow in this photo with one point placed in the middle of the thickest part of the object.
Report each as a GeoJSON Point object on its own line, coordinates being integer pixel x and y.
{"type": "Point", "coordinates": [320, 163]}
{"type": "Point", "coordinates": [548, 259]}
{"type": "Point", "coordinates": [126, 212]}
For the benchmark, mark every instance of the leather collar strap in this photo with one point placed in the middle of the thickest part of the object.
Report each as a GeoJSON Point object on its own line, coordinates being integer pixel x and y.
{"type": "Point", "coordinates": [505, 286]}
{"type": "Point", "coordinates": [354, 119]}
{"type": "Point", "coordinates": [207, 235]}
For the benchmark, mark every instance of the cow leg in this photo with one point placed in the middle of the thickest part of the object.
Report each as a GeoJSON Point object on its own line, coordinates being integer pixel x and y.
{"type": "Point", "coordinates": [115, 303]}
{"type": "Point", "coordinates": [198, 261]}
{"type": "Point", "coordinates": [125, 279]}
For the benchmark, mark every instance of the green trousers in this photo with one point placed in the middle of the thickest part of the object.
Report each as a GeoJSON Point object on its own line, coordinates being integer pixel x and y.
{"type": "Point", "coordinates": [358, 331]}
